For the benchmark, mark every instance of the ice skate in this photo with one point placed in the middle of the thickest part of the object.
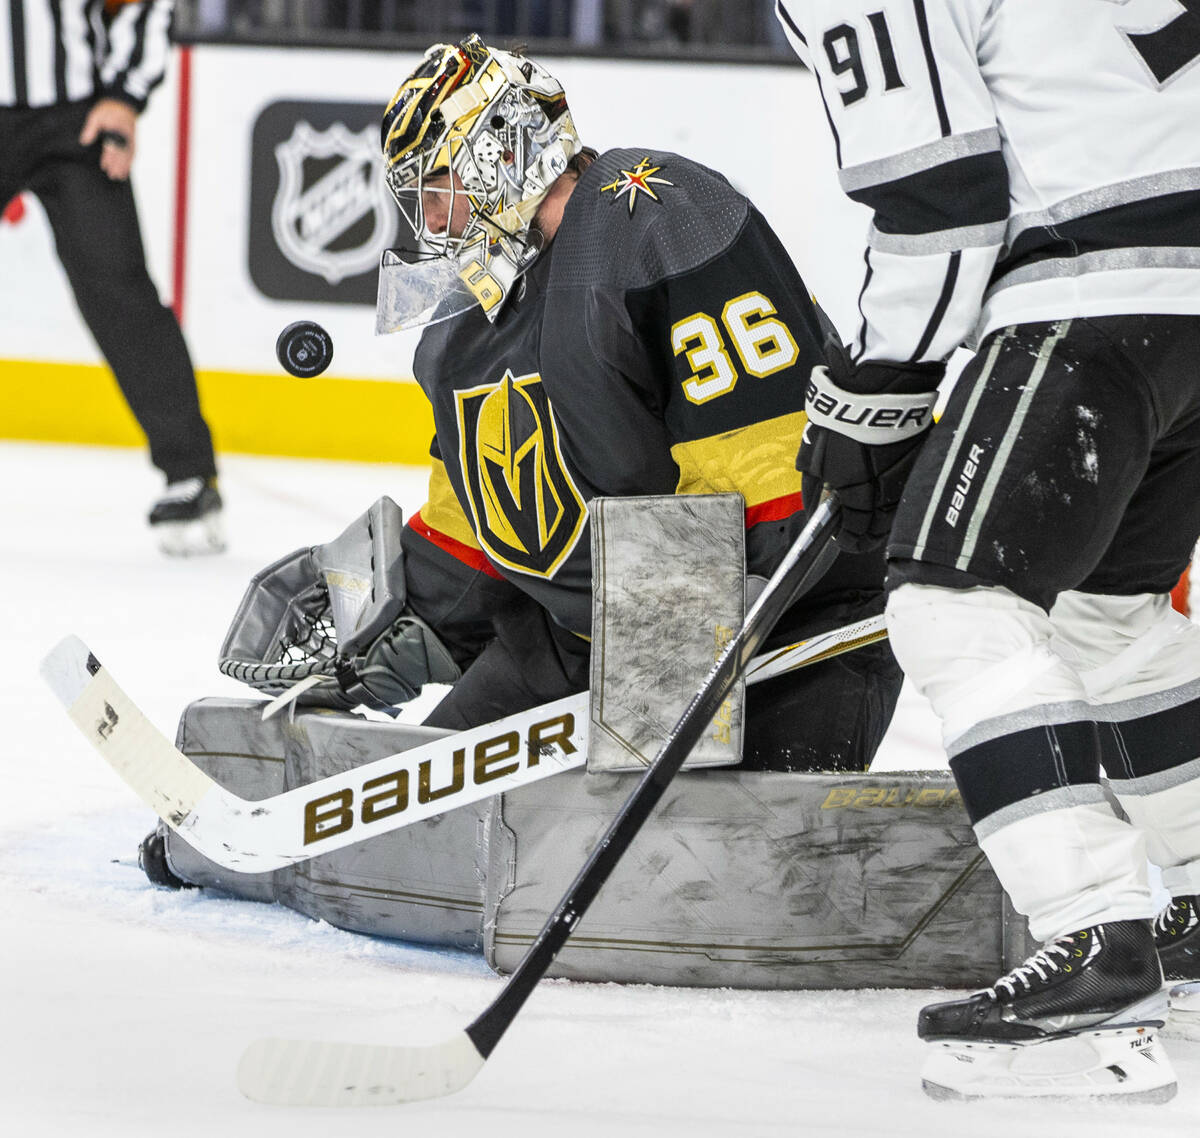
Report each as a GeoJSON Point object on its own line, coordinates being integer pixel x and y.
{"type": "Point", "coordinates": [1078, 1019]}
{"type": "Point", "coordinates": [1184, 1022]}
{"type": "Point", "coordinates": [1177, 937]}
{"type": "Point", "coordinates": [187, 518]}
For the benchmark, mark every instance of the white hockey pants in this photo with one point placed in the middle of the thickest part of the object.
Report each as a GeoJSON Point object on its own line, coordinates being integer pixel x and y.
{"type": "Point", "coordinates": [1018, 693]}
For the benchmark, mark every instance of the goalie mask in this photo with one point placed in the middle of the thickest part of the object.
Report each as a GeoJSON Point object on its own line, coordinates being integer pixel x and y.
{"type": "Point", "coordinates": [491, 132]}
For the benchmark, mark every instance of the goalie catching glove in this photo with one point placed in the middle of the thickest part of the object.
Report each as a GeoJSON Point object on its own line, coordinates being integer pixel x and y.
{"type": "Point", "coordinates": [327, 624]}
{"type": "Point", "coordinates": [865, 427]}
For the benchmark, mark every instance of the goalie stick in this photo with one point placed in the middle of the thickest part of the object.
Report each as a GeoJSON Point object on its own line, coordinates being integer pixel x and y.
{"type": "Point", "coordinates": [256, 836]}
{"type": "Point", "coordinates": [320, 1073]}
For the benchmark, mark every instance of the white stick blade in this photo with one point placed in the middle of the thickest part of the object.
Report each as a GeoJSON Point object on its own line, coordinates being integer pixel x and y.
{"type": "Point", "coordinates": [65, 669]}
{"type": "Point", "coordinates": [166, 780]}
{"type": "Point", "coordinates": [294, 1072]}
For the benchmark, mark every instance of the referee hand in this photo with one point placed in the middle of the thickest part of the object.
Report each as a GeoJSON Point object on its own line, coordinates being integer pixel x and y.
{"type": "Point", "coordinates": [110, 121]}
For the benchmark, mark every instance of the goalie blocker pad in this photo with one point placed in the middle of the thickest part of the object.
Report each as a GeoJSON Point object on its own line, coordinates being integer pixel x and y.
{"type": "Point", "coordinates": [741, 879]}
{"type": "Point", "coordinates": [668, 593]}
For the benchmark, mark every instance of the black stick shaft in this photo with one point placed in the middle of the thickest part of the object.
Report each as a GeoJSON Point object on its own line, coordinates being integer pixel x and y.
{"type": "Point", "coordinates": [804, 564]}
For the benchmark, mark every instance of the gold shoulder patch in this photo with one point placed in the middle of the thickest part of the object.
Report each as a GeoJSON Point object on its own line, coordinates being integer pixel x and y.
{"type": "Point", "coordinates": [638, 180]}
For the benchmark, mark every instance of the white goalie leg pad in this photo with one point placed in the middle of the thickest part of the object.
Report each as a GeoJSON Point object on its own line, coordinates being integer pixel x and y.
{"type": "Point", "coordinates": [1121, 1058]}
{"type": "Point", "coordinates": [1127, 647]}
{"type": "Point", "coordinates": [978, 654]}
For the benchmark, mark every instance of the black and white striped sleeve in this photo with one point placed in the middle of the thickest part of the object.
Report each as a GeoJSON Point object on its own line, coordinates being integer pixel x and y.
{"type": "Point", "coordinates": [138, 47]}
{"type": "Point", "coordinates": [918, 144]}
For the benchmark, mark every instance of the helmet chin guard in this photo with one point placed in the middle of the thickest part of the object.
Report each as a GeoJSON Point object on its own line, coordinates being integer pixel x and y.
{"type": "Point", "coordinates": [499, 127]}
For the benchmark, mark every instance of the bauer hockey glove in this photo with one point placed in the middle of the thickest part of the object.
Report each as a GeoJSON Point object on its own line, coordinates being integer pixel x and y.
{"type": "Point", "coordinates": [865, 427]}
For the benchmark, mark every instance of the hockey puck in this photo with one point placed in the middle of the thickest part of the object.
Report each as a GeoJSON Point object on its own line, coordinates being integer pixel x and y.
{"type": "Point", "coordinates": [304, 349]}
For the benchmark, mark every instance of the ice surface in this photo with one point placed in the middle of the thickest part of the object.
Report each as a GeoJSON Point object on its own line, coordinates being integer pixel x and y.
{"type": "Point", "coordinates": [125, 1007]}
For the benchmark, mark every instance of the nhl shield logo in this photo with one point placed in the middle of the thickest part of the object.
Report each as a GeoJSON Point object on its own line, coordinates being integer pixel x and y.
{"type": "Point", "coordinates": [332, 214]}
{"type": "Point", "coordinates": [528, 512]}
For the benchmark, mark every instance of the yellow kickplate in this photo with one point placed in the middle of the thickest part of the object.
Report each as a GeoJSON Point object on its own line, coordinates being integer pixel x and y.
{"type": "Point", "coordinates": [362, 420]}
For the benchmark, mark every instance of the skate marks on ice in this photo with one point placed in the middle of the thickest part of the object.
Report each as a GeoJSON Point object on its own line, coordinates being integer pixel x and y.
{"type": "Point", "coordinates": [598, 1058]}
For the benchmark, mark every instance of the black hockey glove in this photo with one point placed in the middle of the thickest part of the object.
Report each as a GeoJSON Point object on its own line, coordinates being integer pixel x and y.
{"type": "Point", "coordinates": [865, 427]}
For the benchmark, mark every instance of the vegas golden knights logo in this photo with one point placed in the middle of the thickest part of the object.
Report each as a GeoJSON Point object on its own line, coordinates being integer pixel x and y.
{"type": "Point", "coordinates": [528, 513]}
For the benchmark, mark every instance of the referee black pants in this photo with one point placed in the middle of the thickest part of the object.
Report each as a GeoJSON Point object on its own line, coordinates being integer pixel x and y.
{"type": "Point", "coordinates": [99, 244]}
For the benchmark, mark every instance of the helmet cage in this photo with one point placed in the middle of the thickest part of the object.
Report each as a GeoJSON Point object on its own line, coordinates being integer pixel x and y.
{"type": "Point", "coordinates": [499, 126]}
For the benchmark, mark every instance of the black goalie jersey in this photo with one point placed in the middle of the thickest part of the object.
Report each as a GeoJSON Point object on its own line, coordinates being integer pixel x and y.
{"type": "Point", "coordinates": [659, 345]}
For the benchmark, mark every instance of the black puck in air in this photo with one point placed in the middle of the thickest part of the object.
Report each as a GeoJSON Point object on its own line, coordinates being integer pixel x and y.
{"type": "Point", "coordinates": [304, 349]}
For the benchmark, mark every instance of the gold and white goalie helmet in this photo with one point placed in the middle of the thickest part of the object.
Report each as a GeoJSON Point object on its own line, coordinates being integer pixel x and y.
{"type": "Point", "coordinates": [487, 126]}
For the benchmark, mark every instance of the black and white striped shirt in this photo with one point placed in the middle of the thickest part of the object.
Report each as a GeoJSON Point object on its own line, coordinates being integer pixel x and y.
{"type": "Point", "coordinates": [63, 51]}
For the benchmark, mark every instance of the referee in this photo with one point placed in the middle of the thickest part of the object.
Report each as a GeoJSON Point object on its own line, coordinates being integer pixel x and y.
{"type": "Point", "coordinates": [74, 75]}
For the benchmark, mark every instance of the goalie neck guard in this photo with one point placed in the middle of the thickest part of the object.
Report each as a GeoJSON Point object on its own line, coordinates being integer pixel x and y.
{"type": "Point", "coordinates": [488, 127]}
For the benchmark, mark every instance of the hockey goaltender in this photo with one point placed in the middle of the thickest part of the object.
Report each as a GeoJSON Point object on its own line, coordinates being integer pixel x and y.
{"type": "Point", "coordinates": [616, 348]}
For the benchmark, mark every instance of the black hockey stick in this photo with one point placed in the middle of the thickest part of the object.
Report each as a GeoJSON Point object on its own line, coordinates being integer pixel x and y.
{"type": "Point", "coordinates": [287, 1072]}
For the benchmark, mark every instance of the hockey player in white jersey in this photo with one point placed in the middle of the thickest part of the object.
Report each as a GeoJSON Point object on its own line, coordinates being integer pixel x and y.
{"type": "Point", "coordinates": [1034, 175]}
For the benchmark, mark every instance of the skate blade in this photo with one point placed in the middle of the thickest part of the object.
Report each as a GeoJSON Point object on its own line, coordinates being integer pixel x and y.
{"type": "Point", "coordinates": [947, 1094]}
{"type": "Point", "coordinates": [1184, 1020]}
{"type": "Point", "coordinates": [197, 538]}
{"type": "Point", "coordinates": [1123, 1063]}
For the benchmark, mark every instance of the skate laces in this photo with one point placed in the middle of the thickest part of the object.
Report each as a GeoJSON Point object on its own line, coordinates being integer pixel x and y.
{"type": "Point", "coordinates": [183, 491]}
{"type": "Point", "coordinates": [1063, 954]}
{"type": "Point", "coordinates": [1179, 916]}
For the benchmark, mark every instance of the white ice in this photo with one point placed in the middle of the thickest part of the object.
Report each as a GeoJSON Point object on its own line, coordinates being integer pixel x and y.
{"type": "Point", "coordinates": [124, 1008]}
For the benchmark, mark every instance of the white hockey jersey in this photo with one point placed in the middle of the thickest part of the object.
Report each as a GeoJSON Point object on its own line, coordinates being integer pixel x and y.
{"type": "Point", "coordinates": [1025, 159]}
